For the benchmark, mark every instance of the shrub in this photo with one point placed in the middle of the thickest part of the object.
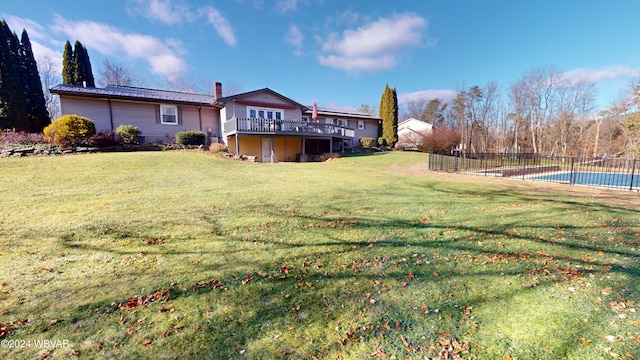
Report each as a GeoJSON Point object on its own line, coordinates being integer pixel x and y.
{"type": "Point", "coordinates": [218, 148]}
{"type": "Point", "coordinates": [103, 138]}
{"type": "Point", "coordinates": [12, 137]}
{"type": "Point", "coordinates": [128, 134]}
{"type": "Point", "coordinates": [190, 138]}
{"type": "Point", "coordinates": [70, 130]}
{"type": "Point", "coordinates": [366, 142]}
{"type": "Point", "coordinates": [382, 141]}
{"type": "Point", "coordinates": [441, 140]}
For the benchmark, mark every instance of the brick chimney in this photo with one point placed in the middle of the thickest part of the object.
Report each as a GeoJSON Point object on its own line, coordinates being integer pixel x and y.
{"type": "Point", "coordinates": [217, 90]}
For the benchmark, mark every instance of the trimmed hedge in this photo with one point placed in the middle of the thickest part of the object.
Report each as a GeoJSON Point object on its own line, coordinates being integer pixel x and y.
{"type": "Point", "coordinates": [70, 130]}
{"type": "Point", "coordinates": [191, 138]}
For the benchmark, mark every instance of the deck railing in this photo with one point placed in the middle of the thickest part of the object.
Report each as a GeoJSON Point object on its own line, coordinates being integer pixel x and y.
{"type": "Point", "coordinates": [609, 172]}
{"type": "Point", "coordinates": [291, 127]}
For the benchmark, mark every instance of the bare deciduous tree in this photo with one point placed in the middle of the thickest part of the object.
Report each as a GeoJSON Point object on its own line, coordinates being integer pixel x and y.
{"type": "Point", "coordinates": [112, 73]}
{"type": "Point", "coordinates": [49, 71]}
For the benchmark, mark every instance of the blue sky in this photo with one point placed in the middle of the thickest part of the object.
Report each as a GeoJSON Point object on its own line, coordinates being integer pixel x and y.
{"type": "Point", "coordinates": [342, 53]}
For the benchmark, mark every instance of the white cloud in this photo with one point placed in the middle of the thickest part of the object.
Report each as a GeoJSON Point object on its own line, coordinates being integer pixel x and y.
{"type": "Point", "coordinates": [375, 46]}
{"type": "Point", "coordinates": [173, 12]}
{"type": "Point", "coordinates": [446, 95]}
{"type": "Point", "coordinates": [295, 38]}
{"type": "Point", "coordinates": [285, 6]}
{"type": "Point", "coordinates": [166, 11]}
{"type": "Point", "coordinates": [162, 56]}
{"type": "Point", "coordinates": [593, 76]}
{"type": "Point", "coordinates": [221, 24]}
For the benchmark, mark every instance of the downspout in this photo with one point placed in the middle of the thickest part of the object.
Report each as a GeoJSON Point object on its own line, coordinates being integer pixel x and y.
{"type": "Point", "coordinates": [110, 114]}
{"type": "Point", "coordinates": [200, 116]}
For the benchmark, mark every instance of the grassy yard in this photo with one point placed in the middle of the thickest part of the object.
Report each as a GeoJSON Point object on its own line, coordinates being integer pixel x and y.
{"type": "Point", "coordinates": [178, 255]}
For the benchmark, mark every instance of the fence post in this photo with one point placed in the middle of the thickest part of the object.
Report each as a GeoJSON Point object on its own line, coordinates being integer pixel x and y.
{"type": "Point", "coordinates": [633, 168]}
{"type": "Point", "coordinates": [571, 173]}
{"type": "Point", "coordinates": [455, 163]}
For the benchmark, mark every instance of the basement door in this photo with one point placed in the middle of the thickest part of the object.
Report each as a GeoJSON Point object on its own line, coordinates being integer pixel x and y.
{"type": "Point", "coordinates": [266, 150]}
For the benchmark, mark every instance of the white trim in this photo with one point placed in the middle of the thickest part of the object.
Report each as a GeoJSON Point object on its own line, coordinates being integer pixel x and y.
{"type": "Point", "coordinates": [265, 113]}
{"type": "Point", "coordinates": [163, 108]}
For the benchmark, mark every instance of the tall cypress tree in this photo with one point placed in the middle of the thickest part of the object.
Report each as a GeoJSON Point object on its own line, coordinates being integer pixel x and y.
{"type": "Point", "coordinates": [389, 115]}
{"type": "Point", "coordinates": [68, 70]}
{"type": "Point", "coordinates": [83, 75]}
{"type": "Point", "coordinates": [88, 72]}
{"type": "Point", "coordinates": [33, 95]}
{"type": "Point", "coordinates": [12, 105]}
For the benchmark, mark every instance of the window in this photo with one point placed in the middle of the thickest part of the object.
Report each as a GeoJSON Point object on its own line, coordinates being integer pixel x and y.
{"type": "Point", "coordinates": [265, 113]}
{"type": "Point", "coordinates": [343, 123]}
{"type": "Point", "coordinates": [360, 124]}
{"type": "Point", "coordinates": [328, 121]}
{"type": "Point", "coordinates": [169, 114]}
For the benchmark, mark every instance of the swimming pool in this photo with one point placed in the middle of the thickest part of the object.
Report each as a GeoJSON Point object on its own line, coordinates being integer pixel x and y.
{"type": "Point", "coordinates": [593, 179]}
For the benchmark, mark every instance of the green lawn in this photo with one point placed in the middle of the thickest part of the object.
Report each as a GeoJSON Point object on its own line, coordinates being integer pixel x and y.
{"type": "Point", "coordinates": [178, 255]}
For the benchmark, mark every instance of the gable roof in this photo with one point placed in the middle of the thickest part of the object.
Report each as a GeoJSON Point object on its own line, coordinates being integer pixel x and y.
{"type": "Point", "coordinates": [135, 93]}
{"type": "Point", "coordinates": [226, 99]}
{"type": "Point", "coordinates": [414, 121]}
{"type": "Point", "coordinates": [343, 114]}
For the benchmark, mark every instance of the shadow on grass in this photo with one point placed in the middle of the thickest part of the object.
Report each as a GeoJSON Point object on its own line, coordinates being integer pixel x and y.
{"type": "Point", "coordinates": [343, 294]}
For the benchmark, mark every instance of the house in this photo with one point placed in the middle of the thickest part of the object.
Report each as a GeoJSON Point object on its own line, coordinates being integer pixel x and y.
{"type": "Point", "coordinates": [411, 133]}
{"type": "Point", "coordinates": [262, 123]}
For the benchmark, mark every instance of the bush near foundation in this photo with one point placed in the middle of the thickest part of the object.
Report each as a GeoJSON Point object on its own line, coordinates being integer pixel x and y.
{"type": "Point", "coordinates": [128, 134]}
{"type": "Point", "coordinates": [366, 141]}
{"type": "Point", "coordinates": [70, 130]}
{"type": "Point", "coordinates": [216, 148]}
{"type": "Point", "coordinates": [190, 138]}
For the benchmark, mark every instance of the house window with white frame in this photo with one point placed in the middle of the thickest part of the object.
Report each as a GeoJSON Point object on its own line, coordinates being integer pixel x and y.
{"type": "Point", "coordinates": [328, 121]}
{"type": "Point", "coordinates": [343, 123]}
{"type": "Point", "coordinates": [169, 114]}
{"type": "Point", "coordinates": [265, 113]}
{"type": "Point", "coordinates": [360, 124]}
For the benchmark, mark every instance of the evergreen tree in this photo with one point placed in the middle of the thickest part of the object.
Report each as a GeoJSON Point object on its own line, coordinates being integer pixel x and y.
{"type": "Point", "coordinates": [33, 95]}
{"type": "Point", "coordinates": [12, 105]}
{"type": "Point", "coordinates": [389, 115]}
{"type": "Point", "coordinates": [83, 75]}
{"type": "Point", "coordinates": [68, 68]}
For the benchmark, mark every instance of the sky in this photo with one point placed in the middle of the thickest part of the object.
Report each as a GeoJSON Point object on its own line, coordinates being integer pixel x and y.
{"type": "Point", "coordinates": [342, 53]}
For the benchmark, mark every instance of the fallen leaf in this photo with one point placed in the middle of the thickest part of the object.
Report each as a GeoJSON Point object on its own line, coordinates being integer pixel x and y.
{"type": "Point", "coordinates": [610, 338]}
{"type": "Point", "coordinates": [247, 279]}
{"type": "Point", "coordinates": [147, 342]}
{"type": "Point", "coordinates": [411, 275]}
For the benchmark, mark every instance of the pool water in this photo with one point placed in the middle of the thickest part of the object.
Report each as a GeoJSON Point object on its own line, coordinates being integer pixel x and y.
{"type": "Point", "coordinates": [592, 178]}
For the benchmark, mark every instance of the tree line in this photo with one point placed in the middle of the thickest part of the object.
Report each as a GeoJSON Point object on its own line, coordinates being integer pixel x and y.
{"type": "Point", "coordinates": [22, 104]}
{"type": "Point", "coordinates": [542, 113]}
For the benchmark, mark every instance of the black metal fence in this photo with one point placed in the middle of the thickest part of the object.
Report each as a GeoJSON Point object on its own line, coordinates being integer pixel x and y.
{"type": "Point", "coordinates": [609, 173]}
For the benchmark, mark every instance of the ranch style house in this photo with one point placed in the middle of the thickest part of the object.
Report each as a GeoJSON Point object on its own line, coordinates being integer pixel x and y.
{"type": "Point", "coordinates": [262, 123]}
